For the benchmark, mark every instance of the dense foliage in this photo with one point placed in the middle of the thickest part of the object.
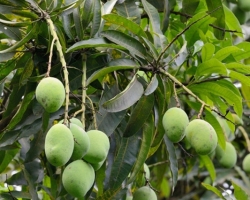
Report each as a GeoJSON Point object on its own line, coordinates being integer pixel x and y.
{"type": "Point", "coordinates": [123, 64]}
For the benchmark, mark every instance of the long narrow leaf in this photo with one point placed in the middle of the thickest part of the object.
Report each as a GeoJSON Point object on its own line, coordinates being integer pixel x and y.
{"type": "Point", "coordinates": [139, 115]}
{"type": "Point", "coordinates": [126, 98]}
{"type": "Point", "coordinates": [172, 160]}
{"type": "Point", "coordinates": [126, 41]}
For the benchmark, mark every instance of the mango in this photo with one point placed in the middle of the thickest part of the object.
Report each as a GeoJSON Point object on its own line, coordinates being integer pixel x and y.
{"type": "Point", "coordinates": [50, 93]}
{"type": "Point", "coordinates": [201, 136]}
{"type": "Point", "coordinates": [227, 157]}
{"type": "Point", "coordinates": [78, 178]}
{"type": "Point", "coordinates": [59, 145]}
{"type": "Point", "coordinates": [246, 163]}
{"type": "Point", "coordinates": [144, 193]}
{"type": "Point", "coordinates": [244, 5]}
{"type": "Point", "coordinates": [174, 121]}
{"type": "Point", "coordinates": [81, 142]}
{"type": "Point", "coordinates": [97, 166]}
{"type": "Point", "coordinates": [99, 147]}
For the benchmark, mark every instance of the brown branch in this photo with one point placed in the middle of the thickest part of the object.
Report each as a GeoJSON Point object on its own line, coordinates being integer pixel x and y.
{"type": "Point", "coordinates": [223, 30]}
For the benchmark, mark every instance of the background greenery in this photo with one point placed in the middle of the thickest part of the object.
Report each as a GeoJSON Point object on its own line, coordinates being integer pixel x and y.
{"type": "Point", "coordinates": [138, 58]}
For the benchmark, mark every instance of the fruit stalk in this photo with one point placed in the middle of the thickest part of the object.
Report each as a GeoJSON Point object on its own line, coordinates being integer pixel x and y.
{"type": "Point", "coordinates": [176, 81]}
{"type": "Point", "coordinates": [84, 79]}
{"type": "Point", "coordinates": [63, 62]}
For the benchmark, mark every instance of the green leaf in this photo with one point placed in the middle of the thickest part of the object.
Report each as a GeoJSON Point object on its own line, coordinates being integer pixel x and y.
{"type": "Point", "coordinates": [238, 67]}
{"type": "Point", "coordinates": [24, 40]}
{"type": "Point", "coordinates": [209, 165]}
{"type": "Point", "coordinates": [240, 77]}
{"type": "Point", "coordinates": [239, 193]}
{"type": "Point", "coordinates": [201, 26]}
{"type": "Point", "coordinates": [31, 185]}
{"type": "Point", "coordinates": [207, 52]}
{"type": "Point", "coordinates": [214, 190]}
{"type": "Point", "coordinates": [87, 13]}
{"type": "Point", "coordinates": [151, 48]}
{"type": "Point", "coordinates": [108, 121]}
{"type": "Point", "coordinates": [216, 10]}
{"type": "Point", "coordinates": [245, 47]}
{"type": "Point", "coordinates": [129, 10]}
{"type": "Point", "coordinates": [96, 21]}
{"type": "Point", "coordinates": [155, 22]}
{"type": "Point", "coordinates": [147, 137]}
{"type": "Point", "coordinates": [210, 67]}
{"type": "Point", "coordinates": [13, 24]}
{"type": "Point", "coordinates": [152, 86]}
{"type": "Point", "coordinates": [211, 119]}
{"type": "Point", "coordinates": [126, 23]}
{"type": "Point", "coordinates": [139, 115]}
{"type": "Point", "coordinates": [78, 23]}
{"type": "Point", "coordinates": [124, 161]}
{"type": "Point", "coordinates": [217, 89]}
{"type": "Point", "coordinates": [28, 96]}
{"type": "Point", "coordinates": [93, 42]}
{"type": "Point", "coordinates": [6, 158]}
{"type": "Point", "coordinates": [172, 160]}
{"type": "Point", "coordinates": [102, 72]}
{"type": "Point", "coordinates": [226, 51]}
{"type": "Point", "coordinates": [232, 21]}
{"type": "Point", "coordinates": [126, 98]}
{"type": "Point", "coordinates": [134, 46]}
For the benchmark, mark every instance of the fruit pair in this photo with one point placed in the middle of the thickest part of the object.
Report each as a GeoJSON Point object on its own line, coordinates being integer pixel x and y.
{"type": "Point", "coordinates": [199, 133]}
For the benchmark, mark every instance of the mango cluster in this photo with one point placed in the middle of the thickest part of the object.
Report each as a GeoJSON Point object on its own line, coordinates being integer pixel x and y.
{"type": "Point", "coordinates": [82, 152]}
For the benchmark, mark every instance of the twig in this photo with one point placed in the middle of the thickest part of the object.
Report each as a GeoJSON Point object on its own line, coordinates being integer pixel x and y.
{"type": "Point", "coordinates": [182, 14]}
{"type": "Point", "coordinates": [50, 57]}
{"type": "Point", "coordinates": [183, 87]}
{"type": "Point", "coordinates": [176, 97]}
{"type": "Point", "coordinates": [245, 136]}
{"type": "Point", "coordinates": [93, 113]}
{"type": "Point", "coordinates": [84, 79]}
{"type": "Point", "coordinates": [223, 30]}
{"type": "Point", "coordinates": [63, 62]}
{"type": "Point", "coordinates": [201, 111]}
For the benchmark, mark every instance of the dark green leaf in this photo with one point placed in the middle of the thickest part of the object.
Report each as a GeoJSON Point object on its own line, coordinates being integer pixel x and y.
{"type": "Point", "coordinates": [126, 23]}
{"type": "Point", "coordinates": [126, 41]}
{"type": "Point", "coordinates": [28, 96]}
{"type": "Point", "coordinates": [126, 98]}
{"type": "Point", "coordinates": [21, 42]}
{"type": "Point", "coordinates": [155, 22]}
{"type": "Point", "coordinates": [96, 22]}
{"type": "Point", "coordinates": [124, 161]}
{"type": "Point", "coordinates": [128, 9]}
{"type": "Point", "coordinates": [107, 121]}
{"type": "Point", "coordinates": [147, 137]}
{"type": "Point", "coordinates": [78, 23]}
{"type": "Point", "coordinates": [87, 13]}
{"type": "Point", "coordinates": [152, 86]}
{"type": "Point", "coordinates": [139, 115]}
{"type": "Point", "coordinates": [102, 72]}
{"type": "Point", "coordinates": [172, 160]}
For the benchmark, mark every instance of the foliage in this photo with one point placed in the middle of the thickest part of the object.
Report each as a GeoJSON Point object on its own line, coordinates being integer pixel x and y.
{"type": "Point", "coordinates": [123, 64]}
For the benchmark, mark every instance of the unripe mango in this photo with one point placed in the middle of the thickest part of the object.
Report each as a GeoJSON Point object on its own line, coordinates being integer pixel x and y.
{"type": "Point", "coordinates": [144, 193]}
{"type": "Point", "coordinates": [246, 163]}
{"type": "Point", "coordinates": [228, 157]}
{"type": "Point", "coordinates": [50, 93]}
{"type": "Point", "coordinates": [174, 121]}
{"type": "Point", "coordinates": [59, 145]}
{"type": "Point", "coordinates": [201, 136]}
{"type": "Point", "coordinates": [99, 147]}
{"type": "Point", "coordinates": [77, 178]}
{"type": "Point", "coordinates": [76, 121]}
{"type": "Point", "coordinates": [97, 166]}
{"type": "Point", "coordinates": [81, 142]}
